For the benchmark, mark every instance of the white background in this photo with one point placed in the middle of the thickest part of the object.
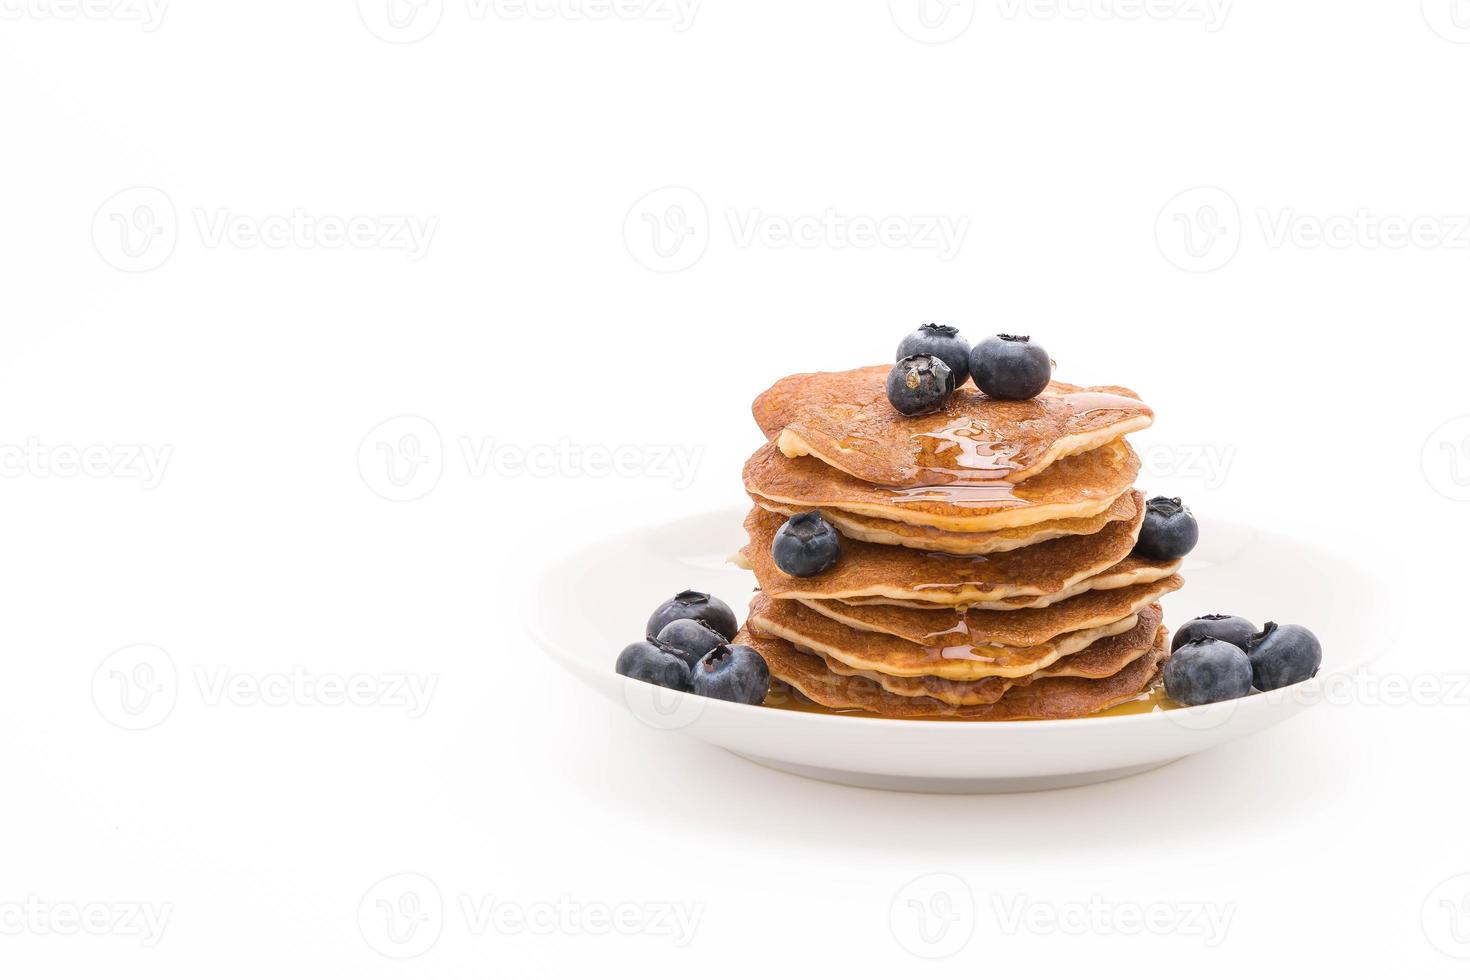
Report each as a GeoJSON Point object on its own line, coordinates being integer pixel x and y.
{"type": "Point", "coordinates": [533, 318]}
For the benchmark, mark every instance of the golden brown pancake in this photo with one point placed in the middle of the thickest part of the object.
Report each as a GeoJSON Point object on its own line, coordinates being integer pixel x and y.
{"type": "Point", "coordinates": [811, 632]}
{"type": "Point", "coordinates": [1049, 697]}
{"type": "Point", "coordinates": [899, 573]}
{"type": "Point", "coordinates": [1102, 658]}
{"type": "Point", "coordinates": [1079, 486]}
{"type": "Point", "coordinates": [1132, 570]}
{"type": "Point", "coordinates": [845, 419]}
{"type": "Point", "coordinates": [1011, 628]}
{"type": "Point", "coordinates": [878, 531]}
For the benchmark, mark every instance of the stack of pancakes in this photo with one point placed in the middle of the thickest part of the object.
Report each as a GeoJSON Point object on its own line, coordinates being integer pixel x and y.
{"type": "Point", "coordinates": [986, 569]}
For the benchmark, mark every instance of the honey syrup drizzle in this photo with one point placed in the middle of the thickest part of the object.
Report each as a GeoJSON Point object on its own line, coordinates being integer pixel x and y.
{"type": "Point", "coordinates": [1146, 702]}
{"type": "Point", "coordinates": [963, 464]}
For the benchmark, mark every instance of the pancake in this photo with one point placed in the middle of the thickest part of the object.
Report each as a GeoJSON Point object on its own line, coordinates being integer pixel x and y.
{"type": "Point", "coordinates": [1011, 628]}
{"type": "Point", "coordinates": [879, 531]}
{"type": "Point", "coordinates": [1048, 697]}
{"type": "Point", "coordinates": [1102, 658]}
{"type": "Point", "coordinates": [1132, 570]}
{"type": "Point", "coordinates": [1079, 486]}
{"type": "Point", "coordinates": [811, 632]}
{"type": "Point", "coordinates": [845, 419]}
{"type": "Point", "coordinates": [876, 570]}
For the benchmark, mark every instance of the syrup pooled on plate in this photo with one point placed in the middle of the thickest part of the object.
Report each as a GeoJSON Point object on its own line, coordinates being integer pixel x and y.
{"type": "Point", "coordinates": [784, 698]}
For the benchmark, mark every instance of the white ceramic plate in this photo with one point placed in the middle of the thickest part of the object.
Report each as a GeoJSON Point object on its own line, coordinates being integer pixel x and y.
{"type": "Point", "coordinates": [618, 582]}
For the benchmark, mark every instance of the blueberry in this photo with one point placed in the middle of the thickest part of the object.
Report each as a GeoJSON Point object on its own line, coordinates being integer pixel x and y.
{"type": "Point", "coordinates": [648, 660]}
{"type": "Point", "coordinates": [944, 343]}
{"type": "Point", "coordinates": [1169, 531]}
{"type": "Point", "coordinates": [920, 385]}
{"type": "Point", "coordinates": [695, 605]}
{"type": "Point", "coordinates": [1010, 368]}
{"type": "Point", "coordinates": [1231, 629]}
{"type": "Point", "coordinates": [732, 673]}
{"type": "Point", "coordinates": [806, 545]}
{"type": "Point", "coordinates": [1283, 655]}
{"type": "Point", "coordinates": [692, 639]}
{"type": "Point", "coordinates": [1206, 671]}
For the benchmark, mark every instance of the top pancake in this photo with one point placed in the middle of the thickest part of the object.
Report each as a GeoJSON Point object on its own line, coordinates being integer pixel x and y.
{"type": "Point", "coordinates": [845, 419]}
{"type": "Point", "coordinates": [1079, 486]}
